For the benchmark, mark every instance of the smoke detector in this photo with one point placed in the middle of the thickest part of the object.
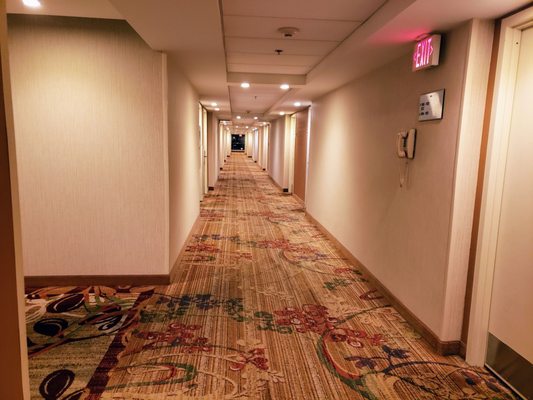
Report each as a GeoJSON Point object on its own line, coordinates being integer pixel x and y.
{"type": "Point", "coordinates": [288, 31]}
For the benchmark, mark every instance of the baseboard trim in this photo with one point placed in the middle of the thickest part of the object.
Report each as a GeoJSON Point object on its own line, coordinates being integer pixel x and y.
{"type": "Point", "coordinates": [275, 183]}
{"type": "Point", "coordinates": [173, 270]}
{"type": "Point", "coordinates": [95, 280]}
{"type": "Point", "coordinates": [462, 349]}
{"type": "Point", "coordinates": [444, 348]}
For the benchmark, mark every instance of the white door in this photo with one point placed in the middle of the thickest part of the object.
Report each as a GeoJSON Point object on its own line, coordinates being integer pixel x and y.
{"type": "Point", "coordinates": [510, 345]}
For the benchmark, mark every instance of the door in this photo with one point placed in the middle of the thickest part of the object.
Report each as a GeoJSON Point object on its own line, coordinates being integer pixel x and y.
{"type": "Point", "coordinates": [510, 343]}
{"type": "Point", "coordinates": [300, 154]}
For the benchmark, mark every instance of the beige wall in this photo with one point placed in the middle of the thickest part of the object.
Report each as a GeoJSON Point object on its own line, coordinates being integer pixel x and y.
{"type": "Point", "coordinates": [400, 234]}
{"type": "Point", "coordinates": [278, 152]}
{"type": "Point", "coordinates": [255, 135]}
{"type": "Point", "coordinates": [89, 121]}
{"type": "Point", "coordinates": [265, 147]}
{"type": "Point", "coordinates": [184, 158]}
{"type": "Point", "coordinates": [212, 149]}
{"type": "Point", "coordinates": [222, 146]}
{"type": "Point", "coordinates": [249, 144]}
{"type": "Point", "coordinates": [300, 153]}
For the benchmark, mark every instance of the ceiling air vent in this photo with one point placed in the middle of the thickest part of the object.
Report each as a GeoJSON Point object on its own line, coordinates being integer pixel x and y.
{"type": "Point", "coordinates": [288, 32]}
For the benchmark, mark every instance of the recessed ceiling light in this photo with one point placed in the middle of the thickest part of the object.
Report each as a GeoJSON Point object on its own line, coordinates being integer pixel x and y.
{"type": "Point", "coordinates": [297, 104]}
{"type": "Point", "coordinates": [255, 117]}
{"type": "Point", "coordinates": [281, 113]}
{"type": "Point", "coordinates": [247, 127]}
{"type": "Point", "coordinates": [217, 109]}
{"type": "Point", "coordinates": [238, 117]}
{"type": "Point", "coordinates": [214, 104]}
{"type": "Point", "coordinates": [32, 3]}
{"type": "Point", "coordinates": [285, 86]}
{"type": "Point", "coordinates": [245, 85]}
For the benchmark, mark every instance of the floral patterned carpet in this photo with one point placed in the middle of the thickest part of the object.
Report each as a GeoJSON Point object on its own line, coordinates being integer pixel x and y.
{"type": "Point", "coordinates": [262, 307]}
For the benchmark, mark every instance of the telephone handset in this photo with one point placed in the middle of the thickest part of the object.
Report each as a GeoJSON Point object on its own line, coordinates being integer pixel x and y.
{"type": "Point", "coordinates": [405, 144]}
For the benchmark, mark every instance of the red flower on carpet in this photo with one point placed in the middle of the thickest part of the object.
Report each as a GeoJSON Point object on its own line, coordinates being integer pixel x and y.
{"type": "Point", "coordinates": [177, 335]}
{"type": "Point", "coordinates": [241, 255]}
{"type": "Point", "coordinates": [202, 247]}
{"type": "Point", "coordinates": [310, 318]}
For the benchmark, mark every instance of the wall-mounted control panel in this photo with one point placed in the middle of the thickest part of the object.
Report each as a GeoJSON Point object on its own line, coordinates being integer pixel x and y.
{"type": "Point", "coordinates": [430, 106]}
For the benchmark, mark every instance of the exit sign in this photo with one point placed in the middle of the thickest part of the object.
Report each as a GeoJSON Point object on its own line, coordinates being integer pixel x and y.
{"type": "Point", "coordinates": [426, 53]}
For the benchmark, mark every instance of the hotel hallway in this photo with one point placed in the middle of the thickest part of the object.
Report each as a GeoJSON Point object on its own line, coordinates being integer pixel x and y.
{"type": "Point", "coordinates": [262, 306]}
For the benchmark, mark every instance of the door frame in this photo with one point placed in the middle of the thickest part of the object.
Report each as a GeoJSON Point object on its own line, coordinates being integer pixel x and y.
{"type": "Point", "coordinates": [309, 111]}
{"type": "Point", "coordinates": [14, 369]}
{"type": "Point", "coordinates": [499, 132]}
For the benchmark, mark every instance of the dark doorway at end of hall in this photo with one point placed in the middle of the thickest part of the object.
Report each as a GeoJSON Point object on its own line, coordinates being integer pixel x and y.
{"type": "Point", "coordinates": [238, 143]}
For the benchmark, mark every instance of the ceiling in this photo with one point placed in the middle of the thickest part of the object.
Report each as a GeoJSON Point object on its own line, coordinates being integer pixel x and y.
{"type": "Point", "coordinates": [254, 44]}
{"type": "Point", "coordinates": [220, 43]}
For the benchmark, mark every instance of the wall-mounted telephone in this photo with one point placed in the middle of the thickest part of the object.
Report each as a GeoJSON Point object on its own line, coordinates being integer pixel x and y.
{"type": "Point", "coordinates": [405, 144]}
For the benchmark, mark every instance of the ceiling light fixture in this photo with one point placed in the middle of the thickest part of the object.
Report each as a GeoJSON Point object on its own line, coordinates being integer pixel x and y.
{"type": "Point", "coordinates": [284, 86]}
{"type": "Point", "coordinates": [217, 109]}
{"type": "Point", "coordinates": [238, 117]}
{"type": "Point", "coordinates": [213, 104]}
{"type": "Point", "coordinates": [255, 118]}
{"type": "Point", "coordinates": [245, 85]}
{"type": "Point", "coordinates": [32, 3]}
{"type": "Point", "coordinates": [297, 104]}
{"type": "Point", "coordinates": [282, 113]}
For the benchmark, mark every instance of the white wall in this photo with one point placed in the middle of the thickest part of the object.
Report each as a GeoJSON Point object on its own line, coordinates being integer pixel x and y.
{"type": "Point", "coordinates": [400, 234]}
{"type": "Point", "coordinates": [184, 158]}
{"type": "Point", "coordinates": [89, 121]}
